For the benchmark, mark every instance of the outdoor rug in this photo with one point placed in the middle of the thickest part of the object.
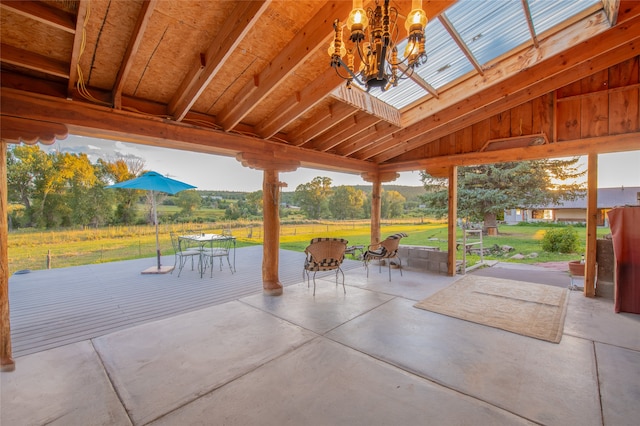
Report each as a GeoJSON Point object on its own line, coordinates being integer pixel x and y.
{"type": "Point", "coordinates": [533, 310]}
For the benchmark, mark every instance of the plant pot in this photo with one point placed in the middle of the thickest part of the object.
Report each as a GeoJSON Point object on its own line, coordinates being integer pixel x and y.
{"type": "Point", "coordinates": [576, 268]}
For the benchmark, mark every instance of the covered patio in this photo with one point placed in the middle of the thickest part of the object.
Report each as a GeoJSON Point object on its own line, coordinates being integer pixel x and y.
{"type": "Point", "coordinates": [221, 351]}
{"type": "Point", "coordinates": [252, 80]}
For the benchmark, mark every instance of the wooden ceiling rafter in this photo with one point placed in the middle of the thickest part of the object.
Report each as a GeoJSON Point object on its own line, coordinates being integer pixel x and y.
{"type": "Point", "coordinates": [207, 65]}
{"type": "Point", "coordinates": [42, 12]}
{"type": "Point", "coordinates": [532, 30]}
{"type": "Point", "coordinates": [148, 6]}
{"type": "Point", "coordinates": [378, 132]}
{"type": "Point", "coordinates": [77, 46]}
{"type": "Point", "coordinates": [461, 44]}
{"type": "Point", "coordinates": [33, 61]}
{"type": "Point", "coordinates": [363, 122]}
{"type": "Point", "coordinates": [304, 44]}
{"type": "Point", "coordinates": [321, 121]}
{"type": "Point", "coordinates": [298, 104]}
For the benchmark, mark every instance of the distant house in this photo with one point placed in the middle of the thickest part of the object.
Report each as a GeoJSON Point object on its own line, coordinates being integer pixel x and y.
{"type": "Point", "coordinates": [576, 211]}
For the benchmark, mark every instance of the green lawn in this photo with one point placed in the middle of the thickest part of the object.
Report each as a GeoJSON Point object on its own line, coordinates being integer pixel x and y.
{"type": "Point", "coordinates": [30, 249]}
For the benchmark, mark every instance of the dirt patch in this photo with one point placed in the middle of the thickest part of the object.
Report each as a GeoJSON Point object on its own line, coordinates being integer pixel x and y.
{"type": "Point", "coordinates": [555, 266]}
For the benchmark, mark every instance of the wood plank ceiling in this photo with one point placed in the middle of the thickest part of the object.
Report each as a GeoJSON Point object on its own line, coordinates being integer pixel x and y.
{"type": "Point", "coordinates": [252, 79]}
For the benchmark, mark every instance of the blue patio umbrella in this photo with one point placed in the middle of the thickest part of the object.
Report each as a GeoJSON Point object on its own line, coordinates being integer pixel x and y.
{"type": "Point", "coordinates": [154, 182]}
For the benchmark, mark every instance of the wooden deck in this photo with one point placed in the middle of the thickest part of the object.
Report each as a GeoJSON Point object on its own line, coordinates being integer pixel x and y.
{"type": "Point", "coordinates": [56, 307]}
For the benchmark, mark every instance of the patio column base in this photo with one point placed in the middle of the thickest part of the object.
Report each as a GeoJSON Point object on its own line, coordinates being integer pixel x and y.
{"type": "Point", "coordinates": [7, 365]}
{"type": "Point", "coordinates": [272, 288]}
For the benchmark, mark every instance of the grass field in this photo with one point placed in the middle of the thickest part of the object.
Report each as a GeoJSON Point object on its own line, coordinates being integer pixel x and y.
{"type": "Point", "coordinates": [39, 249]}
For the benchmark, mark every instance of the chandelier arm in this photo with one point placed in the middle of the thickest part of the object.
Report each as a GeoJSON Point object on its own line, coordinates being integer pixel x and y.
{"type": "Point", "coordinates": [361, 55]}
{"type": "Point", "coordinates": [340, 64]}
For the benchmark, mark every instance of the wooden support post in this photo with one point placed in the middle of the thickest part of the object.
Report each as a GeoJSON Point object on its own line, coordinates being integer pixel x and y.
{"type": "Point", "coordinates": [270, 167]}
{"type": "Point", "coordinates": [376, 211]}
{"type": "Point", "coordinates": [6, 357]}
{"type": "Point", "coordinates": [271, 246]}
{"type": "Point", "coordinates": [453, 220]}
{"type": "Point", "coordinates": [376, 180]}
{"type": "Point", "coordinates": [592, 222]}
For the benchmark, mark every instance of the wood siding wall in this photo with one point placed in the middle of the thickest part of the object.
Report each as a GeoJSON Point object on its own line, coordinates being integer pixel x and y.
{"type": "Point", "coordinates": [603, 104]}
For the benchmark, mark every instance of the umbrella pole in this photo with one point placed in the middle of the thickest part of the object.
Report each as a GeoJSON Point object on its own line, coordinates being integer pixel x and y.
{"type": "Point", "coordinates": [155, 220]}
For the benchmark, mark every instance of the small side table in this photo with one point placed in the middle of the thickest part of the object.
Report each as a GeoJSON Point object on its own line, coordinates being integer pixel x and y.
{"type": "Point", "coordinates": [353, 249]}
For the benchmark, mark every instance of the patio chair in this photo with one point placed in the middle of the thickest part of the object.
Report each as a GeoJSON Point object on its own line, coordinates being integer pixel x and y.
{"type": "Point", "coordinates": [219, 249]}
{"type": "Point", "coordinates": [324, 254]}
{"type": "Point", "coordinates": [182, 254]}
{"type": "Point", "coordinates": [385, 250]}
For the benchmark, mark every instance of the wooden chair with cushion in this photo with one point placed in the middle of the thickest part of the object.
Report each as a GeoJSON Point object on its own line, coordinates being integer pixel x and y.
{"type": "Point", "coordinates": [387, 249]}
{"type": "Point", "coordinates": [324, 254]}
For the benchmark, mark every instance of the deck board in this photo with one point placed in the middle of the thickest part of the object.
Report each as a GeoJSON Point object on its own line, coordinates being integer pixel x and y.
{"type": "Point", "coordinates": [51, 308]}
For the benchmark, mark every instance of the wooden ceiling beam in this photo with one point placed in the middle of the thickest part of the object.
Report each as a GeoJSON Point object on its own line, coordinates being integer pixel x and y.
{"type": "Point", "coordinates": [33, 61]}
{"type": "Point", "coordinates": [602, 51]}
{"type": "Point", "coordinates": [436, 166]}
{"type": "Point", "coordinates": [298, 104]}
{"type": "Point", "coordinates": [305, 43]}
{"type": "Point", "coordinates": [42, 12]}
{"type": "Point", "coordinates": [322, 121]}
{"type": "Point", "coordinates": [30, 132]}
{"type": "Point", "coordinates": [206, 66]}
{"type": "Point", "coordinates": [85, 119]}
{"type": "Point", "coordinates": [148, 6]}
{"type": "Point", "coordinates": [377, 132]}
{"type": "Point", "coordinates": [363, 122]}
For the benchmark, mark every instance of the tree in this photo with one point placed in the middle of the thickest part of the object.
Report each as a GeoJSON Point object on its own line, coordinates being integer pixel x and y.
{"type": "Point", "coordinates": [254, 202]}
{"type": "Point", "coordinates": [55, 188]}
{"type": "Point", "coordinates": [188, 201]}
{"type": "Point", "coordinates": [346, 202]}
{"type": "Point", "coordinates": [121, 170]}
{"type": "Point", "coordinates": [312, 197]}
{"type": "Point", "coordinates": [391, 204]}
{"type": "Point", "coordinates": [485, 191]}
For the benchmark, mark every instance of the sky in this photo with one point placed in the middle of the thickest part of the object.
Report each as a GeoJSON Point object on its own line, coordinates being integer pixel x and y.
{"type": "Point", "coordinates": [213, 172]}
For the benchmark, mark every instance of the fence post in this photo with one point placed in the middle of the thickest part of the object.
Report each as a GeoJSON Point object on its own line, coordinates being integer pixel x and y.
{"type": "Point", "coordinates": [49, 259]}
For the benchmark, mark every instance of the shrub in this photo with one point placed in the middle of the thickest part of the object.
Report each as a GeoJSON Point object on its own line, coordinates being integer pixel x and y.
{"type": "Point", "coordinates": [561, 240]}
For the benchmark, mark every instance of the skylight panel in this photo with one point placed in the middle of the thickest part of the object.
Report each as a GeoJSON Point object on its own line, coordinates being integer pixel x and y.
{"type": "Point", "coordinates": [547, 14]}
{"type": "Point", "coordinates": [445, 62]}
{"type": "Point", "coordinates": [489, 28]}
{"type": "Point", "coordinates": [404, 94]}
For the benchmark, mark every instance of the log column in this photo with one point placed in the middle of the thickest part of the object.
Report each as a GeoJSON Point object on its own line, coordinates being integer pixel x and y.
{"type": "Point", "coordinates": [15, 130]}
{"type": "Point", "coordinates": [453, 220]}
{"type": "Point", "coordinates": [592, 222]}
{"type": "Point", "coordinates": [376, 180]}
{"type": "Point", "coordinates": [271, 244]}
{"type": "Point", "coordinates": [271, 214]}
{"type": "Point", "coordinates": [6, 358]}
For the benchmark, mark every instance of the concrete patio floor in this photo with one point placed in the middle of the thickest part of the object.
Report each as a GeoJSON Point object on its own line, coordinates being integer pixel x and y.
{"type": "Point", "coordinates": [367, 357]}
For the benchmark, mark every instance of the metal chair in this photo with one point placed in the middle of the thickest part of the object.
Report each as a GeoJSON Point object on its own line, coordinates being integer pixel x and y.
{"type": "Point", "coordinates": [387, 249]}
{"type": "Point", "coordinates": [219, 249]}
{"type": "Point", "coordinates": [324, 254]}
{"type": "Point", "coordinates": [182, 255]}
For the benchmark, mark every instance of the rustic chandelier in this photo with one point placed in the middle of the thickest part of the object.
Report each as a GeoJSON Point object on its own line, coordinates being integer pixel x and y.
{"type": "Point", "coordinates": [374, 38]}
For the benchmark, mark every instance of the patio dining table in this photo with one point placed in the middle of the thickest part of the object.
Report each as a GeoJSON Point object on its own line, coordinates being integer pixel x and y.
{"type": "Point", "coordinates": [203, 240]}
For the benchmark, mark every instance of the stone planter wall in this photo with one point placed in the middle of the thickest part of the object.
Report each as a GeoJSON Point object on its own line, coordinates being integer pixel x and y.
{"type": "Point", "coordinates": [426, 258]}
